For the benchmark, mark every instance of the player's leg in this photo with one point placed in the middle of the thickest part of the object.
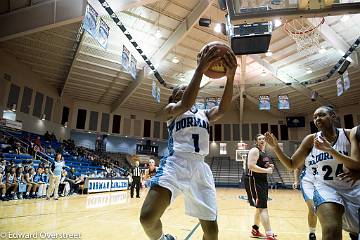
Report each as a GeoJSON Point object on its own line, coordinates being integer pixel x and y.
{"type": "Point", "coordinates": [138, 183]}
{"type": "Point", "coordinates": [132, 188]}
{"type": "Point", "coordinates": [261, 204]}
{"type": "Point", "coordinates": [252, 197]}
{"type": "Point", "coordinates": [312, 219]}
{"type": "Point", "coordinates": [330, 217]}
{"type": "Point", "coordinates": [156, 201]}
{"type": "Point", "coordinates": [210, 229]}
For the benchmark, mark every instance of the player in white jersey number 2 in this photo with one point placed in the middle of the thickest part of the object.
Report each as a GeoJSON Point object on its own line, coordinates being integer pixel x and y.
{"type": "Point", "coordinates": [336, 201]}
{"type": "Point", "coordinates": [184, 170]}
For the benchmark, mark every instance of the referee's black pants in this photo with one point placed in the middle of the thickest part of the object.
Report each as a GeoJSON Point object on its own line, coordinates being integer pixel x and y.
{"type": "Point", "coordinates": [135, 183]}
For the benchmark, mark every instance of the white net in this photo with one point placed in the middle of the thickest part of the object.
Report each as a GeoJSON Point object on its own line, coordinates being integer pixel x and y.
{"type": "Point", "coordinates": [305, 34]}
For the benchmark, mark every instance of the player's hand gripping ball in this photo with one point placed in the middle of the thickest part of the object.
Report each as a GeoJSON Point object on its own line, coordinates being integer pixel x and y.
{"type": "Point", "coordinates": [217, 68]}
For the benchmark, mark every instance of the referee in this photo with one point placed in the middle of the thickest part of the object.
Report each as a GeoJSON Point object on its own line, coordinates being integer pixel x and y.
{"type": "Point", "coordinates": [136, 180]}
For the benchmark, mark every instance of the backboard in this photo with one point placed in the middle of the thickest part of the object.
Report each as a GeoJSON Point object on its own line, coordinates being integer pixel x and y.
{"type": "Point", "coordinates": [241, 155]}
{"type": "Point", "coordinates": [245, 11]}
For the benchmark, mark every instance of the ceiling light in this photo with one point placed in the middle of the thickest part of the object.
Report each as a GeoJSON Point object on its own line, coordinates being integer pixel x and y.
{"type": "Point", "coordinates": [66, 124]}
{"type": "Point", "coordinates": [43, 117]}
{"type": "Point", "coordinates": [89, 132]}
{"type": "Point", "coordinates": [344, 18]}
{"type": "Point", "coordinates": [217, 28]}
{"type": "Point", "coordinates": [175, 60]}
{"type": "Point", "coordinates": [277, 23]}
{"type": "Point", "coordinates": [263, 74]}
{"type": "Point", "coordinates": [158, 34]}
{"type": "Point", "coordinates": [268, 53]}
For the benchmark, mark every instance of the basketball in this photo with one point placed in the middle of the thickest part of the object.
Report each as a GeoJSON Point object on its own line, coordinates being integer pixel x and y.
{"type": "Point", "coordinates": [217, 69]}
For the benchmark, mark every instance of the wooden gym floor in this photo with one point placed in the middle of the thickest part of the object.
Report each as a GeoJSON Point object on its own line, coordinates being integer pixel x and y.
{"type": "Point", "coordinates": [115, 216]}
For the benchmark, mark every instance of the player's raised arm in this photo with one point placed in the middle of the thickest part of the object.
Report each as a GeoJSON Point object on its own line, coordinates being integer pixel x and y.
{"type": "Point", "coordinates": [230, 65]}
{"type": "Point", "coordinates": [298, 158]}
{"type": "Point", "coordinates": [190, 92]}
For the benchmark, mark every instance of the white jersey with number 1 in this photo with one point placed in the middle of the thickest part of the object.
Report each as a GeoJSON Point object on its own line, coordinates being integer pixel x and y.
{"type": "Point", "coordinates": [189, 133]}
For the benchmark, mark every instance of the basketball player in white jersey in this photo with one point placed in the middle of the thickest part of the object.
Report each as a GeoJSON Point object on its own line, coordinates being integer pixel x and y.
{"type": "Point", "coordinates": [307, 179]}
{"type": "Point", "coordinates": [332, 196]}
{"type": "Point", "coordinates": [351, 174]}
{"type": "Point", "coordinates": [184, 170]}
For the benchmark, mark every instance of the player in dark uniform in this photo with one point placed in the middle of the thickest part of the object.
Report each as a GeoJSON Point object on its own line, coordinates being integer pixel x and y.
{"type": "Point", "coordinates": [258, 166]}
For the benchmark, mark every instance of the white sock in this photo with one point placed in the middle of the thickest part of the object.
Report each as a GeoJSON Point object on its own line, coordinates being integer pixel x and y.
{"type": "Point", "coordinates": [3, 195]}
{"type": "Point", "coordinates": [12, 192]}
{"type": "Point", "coordinates": [27, 193]}
{"type": "Point", "coordinates": [269, 233]}
{"type": "Point", "coordinates": [312, 230]}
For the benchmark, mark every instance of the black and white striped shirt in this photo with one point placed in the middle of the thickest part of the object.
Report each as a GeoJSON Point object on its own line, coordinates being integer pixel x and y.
{"type": "Point", "coordinates": [136, 172]}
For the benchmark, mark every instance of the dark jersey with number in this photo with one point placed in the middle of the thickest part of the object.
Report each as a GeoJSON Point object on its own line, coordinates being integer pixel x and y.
{"type": "Point", "coordinates": [263, 162]}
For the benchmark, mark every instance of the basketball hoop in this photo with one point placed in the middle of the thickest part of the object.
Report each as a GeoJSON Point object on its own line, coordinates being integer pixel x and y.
{"type": "Point", "coordinates": [305, 34]}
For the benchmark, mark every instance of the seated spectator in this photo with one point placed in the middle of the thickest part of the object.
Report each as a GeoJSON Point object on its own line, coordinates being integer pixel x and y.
{"type": "Point", "coordinates": [40, 184]}
{"type": "Point", "coordinates": [47, 136]}
{"type": "Point", "coordinates": [3, 188]}
{"type": "Point", "coordinates": [150, 172]}
{"type": "Point", "coordinates": [31, 185]}
{"type": "Point", "coordinates": [21, 181]}
{"type": "Point", "coordinates": [37, 141]}
{"type": "Point", "coordinates": [11, 183]}
{"type": "Point", "coordinates": [52, 137]}
{"type": "Point", "coordinates": [64, 187]}
{"type": "Point", "coordinates": [45, 180]}
{"type": "Point", "coordinates": [2, 166]}
{"type": "Point", "coordinates": [79, 184]}
{"type": "Point", "coordinates": [71, 178]}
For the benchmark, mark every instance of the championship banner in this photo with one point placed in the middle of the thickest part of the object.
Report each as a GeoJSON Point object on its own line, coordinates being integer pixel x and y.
{"type": "Point", "coordinates": [264, 102]}
{"type": "Point", "coordinates": [212, 102]}
{"type": "Point", "coordinates": [89, 22]}
{"type": "Point", "coordinates": [339, 86]}
{"type": "Point", "coordinates": [283, 102]}
{"type": "Point", "coordinates": [125, 58]}
{"type": "Point", "coordinates": [133, 67]}
{"type": "Point", "coordinates": [200, 103]}
{"type": "Point", "coordinates": [153, 89]}
{"type": "Point", "coordinates": [158, 95]}
{"type": "Point", "coordinates": [103, 34]}
{"type": "Point", "coordinates": [346, 80]}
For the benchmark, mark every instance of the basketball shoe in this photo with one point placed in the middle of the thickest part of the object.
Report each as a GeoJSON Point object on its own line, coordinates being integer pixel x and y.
{"type": "Point", "coordinates": [169, 237]}
{"type": "Point", "coordinates": [312, 236]}
{"type": "Point", "coordinates": [255, 233]}
{"type": "Point", "coordinates": [271, 237]}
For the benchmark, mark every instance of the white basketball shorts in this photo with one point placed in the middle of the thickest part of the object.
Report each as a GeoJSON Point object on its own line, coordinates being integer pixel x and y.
{"type": "Point", "coordinates": [349, 198]}
{"type": "Point", "coordinates": [189, 174]}
{"type": "Point", "coordinates": [307, 187]}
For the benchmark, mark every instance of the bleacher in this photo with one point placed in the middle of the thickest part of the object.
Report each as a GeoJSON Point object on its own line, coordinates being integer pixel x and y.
{"type": "Point", "coordinates": [226, 172]}
{"type": "Point", "coordinates": [20, 158]}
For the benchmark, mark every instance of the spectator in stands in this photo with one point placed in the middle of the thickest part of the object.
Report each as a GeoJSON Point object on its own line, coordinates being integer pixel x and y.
{"type": "Point", "coordinates": [55, 174]}
{"type": "Point", "coordinates": [64, 187]}
{"type": "Point", "coordinates": [21, 181]}
{"type": "Point", "coordinates": [26, 169]}
{"type": "Point", "coordinates": [31, 185]}
{"type": "Point", "coordinates": [45, 179]}
{"type": "Point", "coordinates": [3, 188]}
{"type": "Point", "coordinates": [47, 136]}
{"type": "Point", "coordinates": [52, 137]}
{"type": "Point", "coordinates": [37, 141]}
{"type": "Point", "coordinates": [11, 183]}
